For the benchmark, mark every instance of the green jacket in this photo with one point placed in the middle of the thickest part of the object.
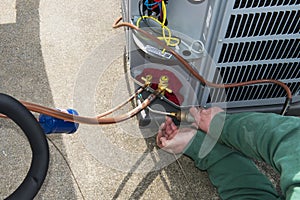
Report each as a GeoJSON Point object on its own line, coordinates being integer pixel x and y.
{"type": "Point", "coordinates": [272, 138]}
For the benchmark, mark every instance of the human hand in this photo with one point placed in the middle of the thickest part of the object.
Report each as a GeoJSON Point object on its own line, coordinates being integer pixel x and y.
{"type": "Point", "coordinates": [172, 139]}
{"type": "Point", "coordinates": [203, 117]}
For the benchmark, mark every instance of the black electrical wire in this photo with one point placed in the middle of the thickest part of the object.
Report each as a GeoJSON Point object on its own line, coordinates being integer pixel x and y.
{"type": "Point", "coordinates": [38, 143]}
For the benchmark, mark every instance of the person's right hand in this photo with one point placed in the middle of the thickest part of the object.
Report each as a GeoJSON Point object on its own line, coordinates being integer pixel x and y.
{"type": "Point", "coordinates": [173, 139]}
{"type": "Point", "coordinates": [203, 117]}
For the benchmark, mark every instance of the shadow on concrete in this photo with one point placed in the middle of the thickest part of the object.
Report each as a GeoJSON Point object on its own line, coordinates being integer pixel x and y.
{"type": "Point", "coordinates": [23, 76]}
{"type": "Point", "coordinates": [181, 179]}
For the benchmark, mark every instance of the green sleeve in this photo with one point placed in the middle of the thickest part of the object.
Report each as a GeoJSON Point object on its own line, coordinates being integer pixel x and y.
{"type": "Point", "coordinates": [217, 153]}
{"type": "Point", "coordinates": [272, 138]}
{"type": "Point", "coordinates": [234, 176]}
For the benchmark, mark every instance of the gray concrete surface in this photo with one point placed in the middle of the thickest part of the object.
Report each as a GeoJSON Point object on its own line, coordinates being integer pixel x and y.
{"type": "Point", "coordinates": [65, 54]}
{"type": "Point", "coordinates": [47, 50]}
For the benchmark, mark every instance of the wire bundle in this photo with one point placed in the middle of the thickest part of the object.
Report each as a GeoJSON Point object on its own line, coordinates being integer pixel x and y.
{"type": "Point", "coordinates": [156, 6]}
{"type": "Point", "coordinates": [161, 20]}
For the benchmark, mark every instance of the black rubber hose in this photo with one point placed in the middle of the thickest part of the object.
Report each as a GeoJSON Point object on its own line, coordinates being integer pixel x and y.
{"type": "Point", "coordinates": [38, 143]}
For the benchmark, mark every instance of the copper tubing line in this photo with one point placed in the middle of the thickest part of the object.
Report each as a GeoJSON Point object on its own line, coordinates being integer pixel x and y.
{"type": "Point", "coordinates": [118, 24]}
{"type": "Point", "coordinates": [132, 113]}
{"type": "Point", "coordinates": [122, 104]}
{"type": "Point", "coordinates": [99, 119]}
{"type": "Point", "coordinates": [58, 114]}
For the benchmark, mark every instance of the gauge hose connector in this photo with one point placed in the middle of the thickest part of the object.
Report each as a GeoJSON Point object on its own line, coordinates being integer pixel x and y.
{"type": "Point", "coordinates": [184, 116]}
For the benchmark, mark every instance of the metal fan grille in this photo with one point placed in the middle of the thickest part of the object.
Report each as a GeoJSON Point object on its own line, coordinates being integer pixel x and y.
{"type": "Point", "coordinates": [258, 39]}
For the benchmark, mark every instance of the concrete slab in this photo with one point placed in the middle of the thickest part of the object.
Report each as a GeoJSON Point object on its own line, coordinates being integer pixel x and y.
{"type": "Point", "coordinates": [46, 58]}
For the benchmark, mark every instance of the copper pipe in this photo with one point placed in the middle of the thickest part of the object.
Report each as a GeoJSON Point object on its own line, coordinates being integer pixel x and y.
{"type": "Point", "coordinates": [118, 24]}
{"type": "Point", "coordinates": [122, 104]}
{"type": "Point", "coordinates": [58, 114]}
{"type": "Point", "coordinates": [99, 119]}
{"type": "Point", "coordinates": [132, 113]}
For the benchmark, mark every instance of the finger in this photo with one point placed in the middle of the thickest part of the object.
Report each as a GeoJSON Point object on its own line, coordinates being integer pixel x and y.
{"type": "Point", "coordinates": [206, 112]}
{"type": "Point", "coordinates": [174, 127]}
{"type": "Point", "coordinates": [158, 138]}
{"type": "Point", "coordinates": [171, 131]}
{"type": "Point", "coordinates": [172, 135]}
{"type": "Point", "coordinates": [159, 134]}
{"type": "Point", "coordinates": [166, 145]}
{"type": "Point", "coordinates": [163, 142]}
{"type": "Point", "coordinates": [194, 112]}
{"type": "Point", "coordinates": [170, 126]}
{"type": "Point", "coordinates": [168, 130]}
{"type": "Point", "coordinates": [162, 128]}
{"type": "Point", "coordinates": [169, 121]}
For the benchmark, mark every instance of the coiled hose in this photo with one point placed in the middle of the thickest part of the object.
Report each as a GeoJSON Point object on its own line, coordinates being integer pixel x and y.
{"type": "Point", "coordinates": [35, 177]}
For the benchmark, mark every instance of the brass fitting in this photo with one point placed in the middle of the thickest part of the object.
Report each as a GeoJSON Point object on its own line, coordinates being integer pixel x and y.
{"type": "Point", "coordinates": [147, 79]}
{"type": "Point", "coordinates": [184, 116]}
{"type": "Point", "coordinates": [163, 84]}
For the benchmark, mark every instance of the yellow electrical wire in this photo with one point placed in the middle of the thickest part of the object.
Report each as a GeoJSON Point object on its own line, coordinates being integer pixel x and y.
{"type": "Point", "coordinates": [169, 40]}
{"type": "Point", "coordinates": [164, 13]}
{"type": "Point", "coordinates": [166, 39]}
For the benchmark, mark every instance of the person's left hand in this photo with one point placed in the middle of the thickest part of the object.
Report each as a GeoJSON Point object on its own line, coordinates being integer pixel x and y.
{"type": "Point", "coordinates": [172, 139]}
{"type": "Point", "coordinates": [203, 117]}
